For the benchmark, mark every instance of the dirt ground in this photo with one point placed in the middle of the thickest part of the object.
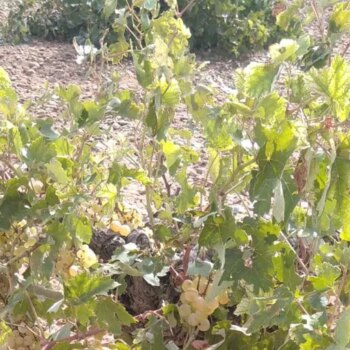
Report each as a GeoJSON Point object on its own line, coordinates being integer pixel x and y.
{"type": "Point", "coordinates": [38, 67]}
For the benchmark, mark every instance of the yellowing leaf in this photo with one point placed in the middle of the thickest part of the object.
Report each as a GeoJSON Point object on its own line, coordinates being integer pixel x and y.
{"type": "Point", "coordinates": [283, 51]}
{"type": "Point", "coordinates": [259, 78]}
{"type": "Point", "coordinates": [340, 18]}
{"type": "Point", "coordinates": [171, 152]}
{"type": "Point", "coordinates": [170, 92]}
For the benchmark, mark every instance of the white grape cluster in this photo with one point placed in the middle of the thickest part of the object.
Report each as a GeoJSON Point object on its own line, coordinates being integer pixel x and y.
{"type": "Point", "coordinates": [21, 339]}
{"type": "Point", "coordinates": [195, 308]}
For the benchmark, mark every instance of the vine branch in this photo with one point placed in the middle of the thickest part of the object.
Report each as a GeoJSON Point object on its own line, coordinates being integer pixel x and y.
{"type": "Point", "coordinates": [76, 337]}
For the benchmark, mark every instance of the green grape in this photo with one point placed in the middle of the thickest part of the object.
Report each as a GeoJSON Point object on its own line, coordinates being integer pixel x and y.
{"type": "Point", "coordinates": [204, 325]}
{"type": "Point", "coordinates": [201, 284]}
{"type": "Point", "coordinates": [189, 295]}
{"type": "Point", "coordinates": [198, 303]}
{"type": "Point", "coordinates": [193, 320]}
{"type": "Point", "coordinates": [187, 284]}
{"type": "Point", "coordinates": [184, 310]}
{"type": "Point", "coordinates": [200, 316]}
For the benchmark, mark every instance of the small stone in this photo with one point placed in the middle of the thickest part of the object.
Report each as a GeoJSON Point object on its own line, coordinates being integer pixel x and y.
{"type": "Point", "coordinates": [28, 71]}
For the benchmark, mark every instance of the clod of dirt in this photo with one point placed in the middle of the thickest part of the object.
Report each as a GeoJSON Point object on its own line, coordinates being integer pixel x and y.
{"type": "Point", "coordinates": [139, 296]}
{"type": "Point", "coordinates": [104, 243]}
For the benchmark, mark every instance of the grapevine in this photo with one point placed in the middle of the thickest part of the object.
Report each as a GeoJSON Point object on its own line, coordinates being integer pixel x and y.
{"type": "Point", "coordinates": [109, 243]}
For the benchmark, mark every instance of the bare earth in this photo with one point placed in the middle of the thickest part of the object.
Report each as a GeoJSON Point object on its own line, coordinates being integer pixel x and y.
{"type": "Point", "coordinates": [39, 66]}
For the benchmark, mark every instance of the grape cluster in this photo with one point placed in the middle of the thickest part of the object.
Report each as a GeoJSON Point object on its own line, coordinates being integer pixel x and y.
{"type": "Point", "coordinates": [21, 339]}
{"type": "Point", "coordinates": [86, 256]}
{"type": "Point", "coordinates": [194, 308]}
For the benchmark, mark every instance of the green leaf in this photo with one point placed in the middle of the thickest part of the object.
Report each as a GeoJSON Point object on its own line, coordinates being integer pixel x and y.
{"type": "Point", "coordinates": [170, 92]}
{"type": "Point", "coordinates": [112, 315]}
{"type": "Point", "coordinates": [150, 5]}
{"type": "Point", "coordinates": [16, 140]}
{"type": "Point", "coordinates": [342, 329]}
{"type": "Point", "coordinates": [144, 69]}
{"type": "Point", "coordinates": [198, 267]}
{"type": "Point", "coordinates": [46, 130]}
{"type": "Point", "coordinates": [107, 191]}
{"type": "Point", "coordinates": [278, 208]}
{"type": "Point", "coordinates": [109, 8]}
{"type": "Point", "coordinates": [162, 233]}
{"type": "Point", "coordinates": [326, 275]}
{"type": "Point", "coordinates": [83, 229]}
{"type": "Point", "coordinates": [117, 51]}
{"type": "Point", "coordinates": [62, 333]}
{"type": "Point", "coordinates": [91, 112]}
{"type": "Point", "coordinates": [333, 85]}
{"type": "Point", "coordinates": [173, 31]}
{"type": "Point", "coordinates": [56, 172]}
{"type": "Point", "coordinates": [85, 286]}
{"type": "Point", "coordinates": [69, 93]}
{"type": "Point", "coordinates": [255, 266]}
{"type": "Point", "coordinates": [15, 204]}
{"type": "Point", "coordinates": [40, 151]}
{"type": "Point", "coordinates": [84, 312]}
{"type": "Point", "coordinates": [187, 197]}
{"type": "Point", "coordinates": [272, 107]}
{"type": "Point", "coordinates": [218, 229]}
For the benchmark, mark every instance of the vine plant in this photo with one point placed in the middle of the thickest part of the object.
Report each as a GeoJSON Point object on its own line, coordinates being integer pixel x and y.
{"type": "Point", "coordinates": [273, 276]}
